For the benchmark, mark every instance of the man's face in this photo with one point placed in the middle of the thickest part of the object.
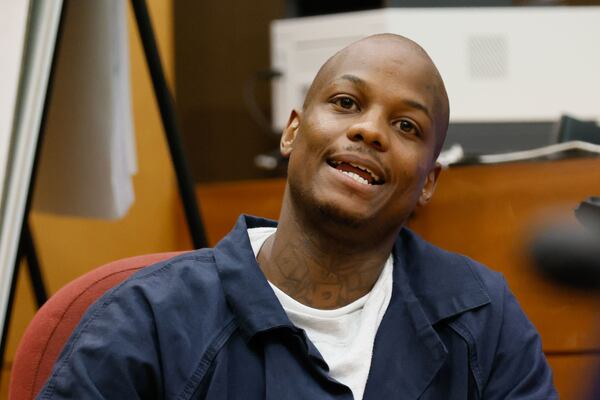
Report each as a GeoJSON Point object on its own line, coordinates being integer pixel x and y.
{"type": "Point", "coordinates": [363, 149]}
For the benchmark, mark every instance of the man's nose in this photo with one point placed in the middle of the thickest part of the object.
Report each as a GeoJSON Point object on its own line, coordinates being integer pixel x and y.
{"type": "Point", "coordinates": [371, 130]}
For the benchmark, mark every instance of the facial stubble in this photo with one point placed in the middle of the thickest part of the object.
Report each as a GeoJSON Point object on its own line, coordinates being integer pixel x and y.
{"type": "Point", "coordinates": [304, 201]}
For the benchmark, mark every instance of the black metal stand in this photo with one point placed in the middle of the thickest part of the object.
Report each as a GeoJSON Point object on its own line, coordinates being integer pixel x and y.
{"type": "Point", "coordinates": [169, 120]}
{"type": "Point", "coordinates": [27, 251]}
{"type": "Point", "coordinates": [167, 112]}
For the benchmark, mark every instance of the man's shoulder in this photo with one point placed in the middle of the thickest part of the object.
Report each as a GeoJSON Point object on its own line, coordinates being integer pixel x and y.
{"type": "Point", "coordinates": [182, 285]}
{"type": "Point", "coordinates": [181, 276]}
{"type": "Point", "coordinates": [161, 322]}
{"type": "Point", "coordinates": [475, 303]}
{"type": "Point", "coordinates": [195, 265]}
{"type": "Point", "coordinates": [181, 297]}
{"type": "Point", "coordinates": [442, 279]}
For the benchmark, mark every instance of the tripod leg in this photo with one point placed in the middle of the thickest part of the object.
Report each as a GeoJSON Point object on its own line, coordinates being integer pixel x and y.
{"type": "Point", "coordinates": [35, 272]}
{"type": "Point", "coordinates": [27, 251]}
{"type": "Point", "coordinates": [167, 112]}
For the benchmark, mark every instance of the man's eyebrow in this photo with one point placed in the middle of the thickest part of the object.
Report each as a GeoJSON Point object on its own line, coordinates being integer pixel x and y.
{"type": "Point", "coordinates": [418, 106]}
{"type": "Point", "coordinates": [352, 78]}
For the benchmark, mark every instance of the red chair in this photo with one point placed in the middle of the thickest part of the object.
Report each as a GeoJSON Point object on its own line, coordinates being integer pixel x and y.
{"type": "Point", "coordinates": [53, 323]}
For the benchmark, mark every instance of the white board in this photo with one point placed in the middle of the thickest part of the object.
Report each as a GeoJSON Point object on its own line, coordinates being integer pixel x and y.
{"type": "Point", "coordinates": [13, 24]}
{"type": "Point", "coordinates": [40, 26]}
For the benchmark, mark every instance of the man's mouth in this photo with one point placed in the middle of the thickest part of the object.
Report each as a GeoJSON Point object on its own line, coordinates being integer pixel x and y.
{"type": "Point", "coordinates": [359, 173]}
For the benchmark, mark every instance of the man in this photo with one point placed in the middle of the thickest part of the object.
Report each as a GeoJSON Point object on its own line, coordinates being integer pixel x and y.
{"type": "Point", "coordinates": [337, 300]}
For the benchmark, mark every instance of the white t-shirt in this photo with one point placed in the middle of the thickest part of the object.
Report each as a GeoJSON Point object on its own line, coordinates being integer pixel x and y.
{"type": "Point", "coordinates": [343, 336]}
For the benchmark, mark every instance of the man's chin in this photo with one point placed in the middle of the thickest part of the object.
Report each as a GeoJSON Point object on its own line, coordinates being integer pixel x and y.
{"type": "Point", "coordinates": [338, 216]}
{"type": "Point", "coordinates": [323, 211]}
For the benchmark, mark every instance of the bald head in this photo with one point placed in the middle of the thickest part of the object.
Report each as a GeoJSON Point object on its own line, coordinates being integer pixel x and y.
{"type": "Point", "coordinates": [400, 50]}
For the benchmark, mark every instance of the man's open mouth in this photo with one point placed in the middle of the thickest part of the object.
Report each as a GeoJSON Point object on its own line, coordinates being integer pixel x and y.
{"type": "Point", "coordinates": [359, 173]}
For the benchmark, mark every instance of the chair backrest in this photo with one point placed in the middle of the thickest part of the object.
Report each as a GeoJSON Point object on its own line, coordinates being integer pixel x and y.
{"type": "Point", "coordinates": [52, 325]}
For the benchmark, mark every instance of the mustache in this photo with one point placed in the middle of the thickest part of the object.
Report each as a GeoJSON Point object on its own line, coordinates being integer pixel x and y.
{"type": "Point", "coordinates": [366, 150]}
{"type": "Point", "coordinates": [356, 148]}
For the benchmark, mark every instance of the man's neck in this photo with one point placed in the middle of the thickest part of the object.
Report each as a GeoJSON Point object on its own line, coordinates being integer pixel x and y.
{"type": "Point", "coordinates": [319, 270]}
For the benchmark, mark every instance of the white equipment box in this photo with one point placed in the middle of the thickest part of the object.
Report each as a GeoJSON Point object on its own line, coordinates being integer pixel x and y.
{"type": "Point", "coordinates": [509, 64]}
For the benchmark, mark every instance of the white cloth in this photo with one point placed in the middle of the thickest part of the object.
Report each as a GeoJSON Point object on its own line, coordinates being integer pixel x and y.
{"type": "Point", "coordinates": [343, 336]}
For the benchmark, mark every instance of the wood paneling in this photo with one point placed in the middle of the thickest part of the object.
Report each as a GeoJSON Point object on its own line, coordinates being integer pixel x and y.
{"type": "Point", "coordinates": [220, 45]}
{"type": "Point", "coordinates": [222, 203]}
{"type": "Point", "coordinates": [576, 375]}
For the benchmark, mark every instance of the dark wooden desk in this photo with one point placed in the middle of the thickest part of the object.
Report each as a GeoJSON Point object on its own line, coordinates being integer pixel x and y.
{"type": "Point", "coordinates": [485, 212]}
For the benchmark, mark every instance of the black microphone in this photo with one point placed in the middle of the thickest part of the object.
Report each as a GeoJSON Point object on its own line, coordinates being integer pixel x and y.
{"type": "Point", "coordinates": [570, 254]}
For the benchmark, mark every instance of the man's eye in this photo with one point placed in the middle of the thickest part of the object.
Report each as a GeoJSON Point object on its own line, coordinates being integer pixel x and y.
{"type": "Point", "coordinates": [346, 103]}
{"type": "Point", "coordinates": [406, 126]}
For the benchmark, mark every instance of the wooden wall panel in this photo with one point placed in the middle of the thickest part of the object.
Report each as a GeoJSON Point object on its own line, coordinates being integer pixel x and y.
{"type": "Point", "coordinates": [219, 46]}
{"type": "Point", "coordinates": [222, 203]}
{"type": "Point", "coordinates": [576, 376]}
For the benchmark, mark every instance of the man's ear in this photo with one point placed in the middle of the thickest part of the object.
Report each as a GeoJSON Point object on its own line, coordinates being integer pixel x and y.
{"type": "Point", "coordinates": [289, 134]}
{"type": "Point", "coordinates": [430, 183]}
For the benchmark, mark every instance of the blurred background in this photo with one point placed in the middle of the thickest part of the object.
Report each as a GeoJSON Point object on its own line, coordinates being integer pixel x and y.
{"type": "Point", "coordinates": [218, 60]}
{"type": "Point", "coordinates": [221, 49]}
